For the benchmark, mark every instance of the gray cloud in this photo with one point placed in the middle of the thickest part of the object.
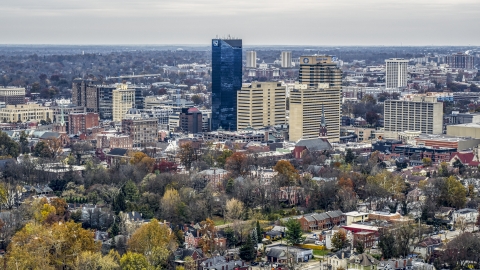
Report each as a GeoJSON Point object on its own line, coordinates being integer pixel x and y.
{"type": "Point", "coordinates": [309, 22]}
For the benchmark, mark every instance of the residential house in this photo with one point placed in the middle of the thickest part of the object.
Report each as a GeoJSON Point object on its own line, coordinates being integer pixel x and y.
{"type": "Point", "coordinates": [215, 176]}
{"type": "Point", "coordinates": [468, 214]}
{"type": "Point", "coordinates": [280, 253]}
{"type": "Point", "coordinates": [291, 195]}
{"type": "Point", "coordinates": [116, 156]}
{"type": "Point", "coordinates": [132, 220]}
{"type": "Point", "coordinates": [182, 253]}
{"type": "Point", "coordinates": [396, 264]}
{"type": "Point", "coordinates": [428, 245]}
{"type": "Point", "coordinates": [221, 263]}
{"type": "Point", "coordinates": [338, 260]}
{"type": "Point", "coordinates": [467, 158]}
{"type": "Point", "coordinates": [362, 262]}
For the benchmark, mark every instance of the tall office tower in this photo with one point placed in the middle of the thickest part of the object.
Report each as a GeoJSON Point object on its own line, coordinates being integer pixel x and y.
{"type": "Point", "coordinates": [251, 59]}
{"type": "Point", "coordinates": [123, 100]}
{"type": "Point", "coordinates": [320, 87]}
{"type": "Point", "coordinates": [319, 69]}
{"type": "Point", "coordinates": [286, 59]}
{"type": "Point", "coordinates": [422, 113]}
{"type": "Point", "coordinates": [460, 60]}
{"type": "Point", "coordinates": [85, 94]}
{"type": "Point", "coordinates": [12, 95]}
{"type": "Point", "coordinates": [307, 118]}
{"type": "Point", "coordinates": [261, 104]}
{"type": "Point", "coordinates": [396, 73]}
{"type": "Point", "coordinates": [226, 81]}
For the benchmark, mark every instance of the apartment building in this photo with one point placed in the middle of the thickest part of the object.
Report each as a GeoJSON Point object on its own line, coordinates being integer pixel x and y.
{"type": "Point", "coordinates": [396, 74]}
{"type": "Point", "coordinates": [123, 100]}
{"type": "Point", "coordinates": [422, 114]}
{"type": "Point", "coordinates": [25, 112]}
{"type": "Point", "coordinates": [80, 122]}
{"type": "Point", "coordinates": [144, 132]}
{"type": "Point", "coordinates": [12, 95]}
{"type": "Point", "coordinates": [261, 104]}
{"type": "Point", "coordinates": [460, 60]}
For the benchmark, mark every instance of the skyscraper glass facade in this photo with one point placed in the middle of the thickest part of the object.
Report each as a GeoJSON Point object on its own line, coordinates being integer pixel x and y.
{"type": "Point", "coordinates": [226, 81]}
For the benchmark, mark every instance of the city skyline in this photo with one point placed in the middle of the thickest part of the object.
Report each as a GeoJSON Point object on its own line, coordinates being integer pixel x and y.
{"type": "Point", "coordinates": [372, 22]}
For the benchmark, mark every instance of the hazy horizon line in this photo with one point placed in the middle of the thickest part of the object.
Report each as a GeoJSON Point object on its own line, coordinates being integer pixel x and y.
{"type": "Point", "coordinates": [249, 45]}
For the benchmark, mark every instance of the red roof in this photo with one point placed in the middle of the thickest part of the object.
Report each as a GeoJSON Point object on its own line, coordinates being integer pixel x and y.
{"type": "Point", "coordinates": [465, 157]}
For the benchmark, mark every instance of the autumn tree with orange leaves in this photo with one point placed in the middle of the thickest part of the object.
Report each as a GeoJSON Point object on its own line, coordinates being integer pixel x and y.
{"type": "Point", "coordinates": [237, 164]}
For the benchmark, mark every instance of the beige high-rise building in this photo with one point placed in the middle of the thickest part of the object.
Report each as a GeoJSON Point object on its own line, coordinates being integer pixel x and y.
{"type": "Point", "coordinates": [320, 84]}
{"type": "Point", "coordinates": [319, 69]}
{"type": "Point", "coordinates": [306, 112]}
{"type": "Point", "coordinates": [26, 112]}
{"type": "Point", "coordinates": [286, 59]}
{"type": "Point", "coordinates": [261, 104]}
{"type": "Point", "coordinates": [123, 99]}
{"type": "Point", "coordinates": [422, 114]}
{"type": "Point", "coordinates": [251, 59]}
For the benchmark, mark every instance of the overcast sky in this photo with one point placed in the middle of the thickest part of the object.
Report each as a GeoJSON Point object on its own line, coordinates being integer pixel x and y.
{"type": "Point", "coordinates": [257, 22]}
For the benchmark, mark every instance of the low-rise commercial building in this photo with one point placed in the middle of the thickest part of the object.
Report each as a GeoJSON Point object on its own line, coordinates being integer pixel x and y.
{"type": "Point", "coordinates": [464, 130]}
{"type": "Point", "coordinates": [25, 112]}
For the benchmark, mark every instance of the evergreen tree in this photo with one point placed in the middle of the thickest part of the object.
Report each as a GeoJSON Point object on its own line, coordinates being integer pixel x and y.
{"type": "Point", "coordinates": [349, 156]}
{"type": "Point", "coordinates": [259, 232]}
{"type": "Point", "coordinates": [119, 203]}
{"type": "Point", "coordinates": [293, 234]}
{"type": "Point", "coordinates": [387, 244]}
{"type": "Point", "coordinates": [247, 251]}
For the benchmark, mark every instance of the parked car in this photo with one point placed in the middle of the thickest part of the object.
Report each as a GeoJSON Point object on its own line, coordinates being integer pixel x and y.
{"type": "Point", "coordinates": [318, 243]}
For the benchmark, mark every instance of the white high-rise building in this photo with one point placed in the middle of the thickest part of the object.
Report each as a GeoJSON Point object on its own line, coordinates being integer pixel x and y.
{"type": "Point", "coordinates": [396, 73]}
{"type": "Point", "coordinates": [251, 59]}
{"type": "Point", "coordinates": [286, 59]}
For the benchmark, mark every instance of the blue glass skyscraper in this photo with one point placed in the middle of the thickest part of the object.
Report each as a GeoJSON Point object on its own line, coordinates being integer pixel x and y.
{"type": "Point", "coordinates": [226, 81]}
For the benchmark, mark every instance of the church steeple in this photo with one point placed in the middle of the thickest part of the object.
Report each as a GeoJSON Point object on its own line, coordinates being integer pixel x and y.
{"type": "Point", "coordinates": [323, 125]}
{"type": "Point", "coordinates": [62, 121]}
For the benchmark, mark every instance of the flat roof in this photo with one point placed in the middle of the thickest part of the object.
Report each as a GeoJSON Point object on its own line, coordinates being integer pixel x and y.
{"type": "Point", "coordinates": [356, 213]}
{"type": "Point", "coordinates": [361, 227]}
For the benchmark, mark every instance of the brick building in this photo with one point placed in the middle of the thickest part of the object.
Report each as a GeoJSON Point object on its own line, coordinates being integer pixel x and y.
{"type": "Point", "coordinates": [144, 132]}
{"type": "Point", "coordinates": [191, 120]}
{"type": "Point", "coordinates": [80, 122]}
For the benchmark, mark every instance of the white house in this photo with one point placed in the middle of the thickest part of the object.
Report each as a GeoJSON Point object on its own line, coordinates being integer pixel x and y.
{"type": "Point", "coordinates": [470, 215]}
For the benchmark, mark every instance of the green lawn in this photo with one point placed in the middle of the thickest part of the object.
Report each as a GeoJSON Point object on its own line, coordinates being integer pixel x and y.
{"type": "Point", "coordinates": [320, 252]}
{"type": "Point", "coordinates": [219, 221]}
